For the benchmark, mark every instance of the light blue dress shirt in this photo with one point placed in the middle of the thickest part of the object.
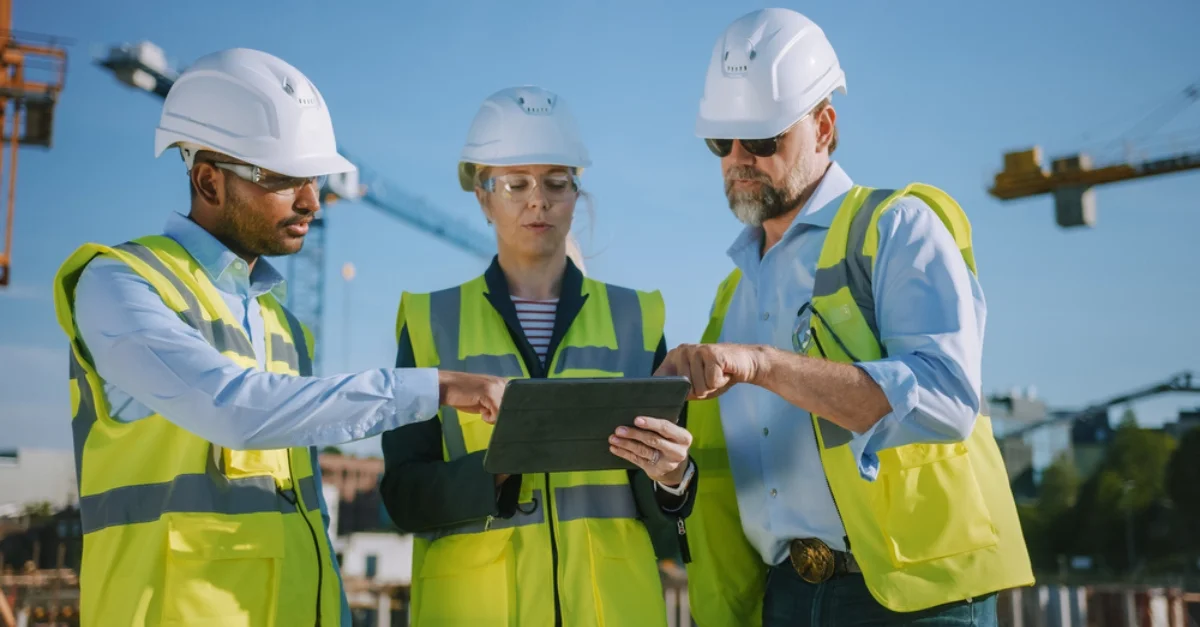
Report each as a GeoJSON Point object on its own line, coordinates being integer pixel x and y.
{"type": "Point", "coordinates": [153, 362]}
{"type": "Point", "coordinates": [930, 311]}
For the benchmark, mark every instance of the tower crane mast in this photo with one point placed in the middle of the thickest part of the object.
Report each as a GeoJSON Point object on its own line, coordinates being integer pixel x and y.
{"type": "Point", "coordinates": [1071, 178]}
{"type": "Point", "coordinates": [26, 106]}
{"type": "Point", "coordinates": [144, 66]}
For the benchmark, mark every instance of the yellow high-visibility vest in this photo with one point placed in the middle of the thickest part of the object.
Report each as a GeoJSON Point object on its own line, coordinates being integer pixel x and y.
{"type": "Point", "coordinates": [178, 530]}
{"type": "Point", "coordinates": [939, 523]}
{"type": "Point", "coordinates": [576, 539]}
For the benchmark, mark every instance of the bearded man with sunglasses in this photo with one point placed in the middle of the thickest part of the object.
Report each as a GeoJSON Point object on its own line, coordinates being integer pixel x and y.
{"type": "Point", "coordinates": [854, 478]}
{"type": "Point", "coordinates": [196, 418]}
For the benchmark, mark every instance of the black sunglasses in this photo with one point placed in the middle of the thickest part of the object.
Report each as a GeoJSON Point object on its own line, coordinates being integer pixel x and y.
{"type": "Point", "coordinates": [756, 147]}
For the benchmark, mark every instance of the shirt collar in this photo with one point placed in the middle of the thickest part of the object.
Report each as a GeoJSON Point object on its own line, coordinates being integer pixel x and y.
{"type": "Point", "coordinates": [216, 258]}
{"type": "Point", "coordinates": [818, 211]}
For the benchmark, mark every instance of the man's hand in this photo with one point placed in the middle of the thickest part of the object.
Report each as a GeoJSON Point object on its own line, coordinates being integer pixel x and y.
{"type": "Point", "coordinates": [712, 368]}
{"type": "Point", "coordinates": [657, 446]}
{"type": "Point", "coordinates": [472, 393]}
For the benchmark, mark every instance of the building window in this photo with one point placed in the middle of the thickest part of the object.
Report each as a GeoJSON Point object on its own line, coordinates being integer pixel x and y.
{"type": "Point", "coordinates": [372, 563]}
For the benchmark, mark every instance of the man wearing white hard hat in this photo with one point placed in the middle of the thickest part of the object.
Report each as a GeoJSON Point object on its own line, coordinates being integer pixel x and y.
{"type": "Point", "coordinates": [196, 418]}
{"type": "Point", "coordinates": [865, 486]}
{"type": "Point", "coordinates": [574, 549]}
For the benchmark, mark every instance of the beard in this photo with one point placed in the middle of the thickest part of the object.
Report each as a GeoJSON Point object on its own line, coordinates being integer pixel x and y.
{"type": "Point", "coordinates": [248, 232]}
{"type": "Point", "coordinates": [754, 206]}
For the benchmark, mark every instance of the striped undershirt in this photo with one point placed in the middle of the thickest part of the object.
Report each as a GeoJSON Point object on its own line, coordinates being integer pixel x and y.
{"type": "Point", "coordinates": [537, 320]}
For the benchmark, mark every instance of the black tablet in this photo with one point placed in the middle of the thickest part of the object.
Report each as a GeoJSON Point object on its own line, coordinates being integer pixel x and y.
{"type": "Point", "coordinates": [559, 425]}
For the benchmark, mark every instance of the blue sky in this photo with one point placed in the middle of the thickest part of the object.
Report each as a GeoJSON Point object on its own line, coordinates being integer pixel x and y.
{"type": "Point", "coordinates": [938, 90]}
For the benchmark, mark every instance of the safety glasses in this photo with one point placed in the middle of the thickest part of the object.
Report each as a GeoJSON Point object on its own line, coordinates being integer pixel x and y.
{"type": "Point", "coordinates": [518, 187]}
{"type": "Point", "coordinates": [756, 147]}
{"type": "Point", "coordinates": [270, 181]}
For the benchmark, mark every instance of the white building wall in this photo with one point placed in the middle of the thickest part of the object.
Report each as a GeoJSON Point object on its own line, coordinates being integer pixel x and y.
{"type": "Point", "coordinates": [33, 475]}
{"type": "Point", "coordinates": [393, 557]}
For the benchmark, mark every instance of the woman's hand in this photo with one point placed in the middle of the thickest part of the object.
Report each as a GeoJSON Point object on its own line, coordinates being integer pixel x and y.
{"type": "Point", "coordinates": [659, 447]}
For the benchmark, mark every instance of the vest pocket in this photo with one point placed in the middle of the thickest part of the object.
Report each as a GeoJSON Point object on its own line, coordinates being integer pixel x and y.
{"type": "Point", "coordinates": [467, 579]}
{"type": "Point", "coordinates": [222, 570]}
{"type": "Point", "coordinates": [624, 580]}
{"type": "Point", "coordinates": [934, 510]}
{"type": "Point", "coordinates": [250, 463]}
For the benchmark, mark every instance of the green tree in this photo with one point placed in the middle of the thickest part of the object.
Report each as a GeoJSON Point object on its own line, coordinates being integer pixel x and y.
{"type": "Point", "coordinates": [1059, 489]}
{"type": "Point", "coordinates": [331, 450]}
{"type": "Point", "coordinates": [1183, 486]}
{"type": "Point", "coordinates": [1127, 491]}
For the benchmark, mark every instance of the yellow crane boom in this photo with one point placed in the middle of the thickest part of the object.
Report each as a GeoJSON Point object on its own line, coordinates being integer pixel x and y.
{"type": "Point", "coordinates": [1071, 179]}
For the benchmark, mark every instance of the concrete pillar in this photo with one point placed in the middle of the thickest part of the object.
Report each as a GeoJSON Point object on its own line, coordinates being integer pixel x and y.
{"type": "Point", "coordinates": [1079, 606]}
{"type": "Point", "coordinates": [1129, 604]}
{"type": "Point", "coordinates": [384, 609]}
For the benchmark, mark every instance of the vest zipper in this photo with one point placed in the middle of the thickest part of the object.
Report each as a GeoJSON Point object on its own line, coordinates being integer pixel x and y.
{"type": "Point", "coordinates": [684, 551]}
{"type": "Point", "coordinates": [295, 501]}
{"type": "Point", "coordinates": [553, 551]}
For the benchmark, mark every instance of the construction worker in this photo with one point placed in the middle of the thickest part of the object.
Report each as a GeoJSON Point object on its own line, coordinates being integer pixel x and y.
{"type": "Point", "coordinates": [854, 478]}
{"type": "Point", "coordinates": [570, 548]}
{"type": "Point", "coordinates": [196, 415]}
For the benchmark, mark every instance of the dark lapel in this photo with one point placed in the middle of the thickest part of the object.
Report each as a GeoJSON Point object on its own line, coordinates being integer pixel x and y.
{"type": "Point", "coordinates": [570, 302]}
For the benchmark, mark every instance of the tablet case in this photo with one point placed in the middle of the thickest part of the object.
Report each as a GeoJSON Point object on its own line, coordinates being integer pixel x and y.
{"type": "Point", "coordinates": [560, 425]}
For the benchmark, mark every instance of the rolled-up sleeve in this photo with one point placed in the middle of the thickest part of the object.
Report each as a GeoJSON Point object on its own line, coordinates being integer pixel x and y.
{"type": "Point", "coordinates": [930, 312]}
{"type": "Point", "coordinates": [141, 346]}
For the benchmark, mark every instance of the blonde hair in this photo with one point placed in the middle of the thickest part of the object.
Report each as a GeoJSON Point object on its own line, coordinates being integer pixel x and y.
{"type": "Point", "coordinates": [575, 254]}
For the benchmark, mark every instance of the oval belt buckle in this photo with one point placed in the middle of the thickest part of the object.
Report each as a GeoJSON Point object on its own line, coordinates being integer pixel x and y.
{"type": "Point", "coordinates": [812, 559]}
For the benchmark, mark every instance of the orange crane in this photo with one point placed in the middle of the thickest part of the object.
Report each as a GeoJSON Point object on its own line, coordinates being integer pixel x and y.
{"type": "Point", "coordinates": [26, 106]}
{"type": "Point", "coordinates": [1071, 178]}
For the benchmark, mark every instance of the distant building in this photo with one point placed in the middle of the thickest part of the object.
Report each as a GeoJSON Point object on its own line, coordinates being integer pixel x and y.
{"type": "Point", "coordinates": [1028, 454]}
{"type": "Point", "coordinates": [30, 475]}
{"type": "Point", "coordinates": [380, 557]}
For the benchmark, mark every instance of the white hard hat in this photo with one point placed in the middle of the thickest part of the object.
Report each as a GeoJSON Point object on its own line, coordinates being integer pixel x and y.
{"type": "Point", "coordinates": [254, 107]}
{"type": "Point", "coordinates": [768, 70]}
{"type": "Point", "coordinates": [521, 126]}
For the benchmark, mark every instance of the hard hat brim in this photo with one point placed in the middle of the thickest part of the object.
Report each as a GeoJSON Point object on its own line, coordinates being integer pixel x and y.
{"type": "Point", "coordinates": [315, 165]}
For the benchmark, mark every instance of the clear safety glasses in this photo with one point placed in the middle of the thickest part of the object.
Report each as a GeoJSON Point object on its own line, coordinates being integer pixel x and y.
{"type": "Point", "coordinates": [270, 181]}
{"type": "Point", "coordinates": [517, 188]}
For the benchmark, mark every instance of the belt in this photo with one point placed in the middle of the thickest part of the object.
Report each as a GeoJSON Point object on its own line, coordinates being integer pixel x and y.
{"type": "Point", "coordinates": [815, 562]}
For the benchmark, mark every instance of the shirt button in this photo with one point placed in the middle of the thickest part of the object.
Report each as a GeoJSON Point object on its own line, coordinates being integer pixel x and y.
{"type": "Point", "coordinates": [765, 431]}
{"type": "Point", "coordinates": [774, 492]}
{"type": "Point", "coordinates": [766, 315]}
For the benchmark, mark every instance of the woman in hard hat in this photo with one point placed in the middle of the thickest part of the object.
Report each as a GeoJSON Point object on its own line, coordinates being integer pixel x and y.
{"type": "Point", "coordinates": [547, 549]}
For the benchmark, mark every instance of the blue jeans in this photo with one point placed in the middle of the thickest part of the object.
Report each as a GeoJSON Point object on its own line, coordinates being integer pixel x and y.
{"type": "Point", "coordinates": [844, 601]}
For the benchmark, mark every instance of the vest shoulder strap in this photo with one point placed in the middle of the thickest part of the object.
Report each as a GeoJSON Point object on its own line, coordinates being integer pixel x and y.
{"type": "Point", "coordinates": [720, 306]}
{"type": "Point", "coordinates": [632, 305]}
{"type": "Point", "coordinates": [862, 238]}
{"type": "Point", "coordinates": [414, 314]}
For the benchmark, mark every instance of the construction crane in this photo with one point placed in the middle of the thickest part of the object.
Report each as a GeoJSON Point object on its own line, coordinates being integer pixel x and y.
{"type": "Point", "coordinates": [33, 70]}
{"type": "Point", "coordinates": [1178, 383]}
{"type": "Point", "coordinates": [1071, 178]}
{"type": "Point", "coordinates": [144, 66]}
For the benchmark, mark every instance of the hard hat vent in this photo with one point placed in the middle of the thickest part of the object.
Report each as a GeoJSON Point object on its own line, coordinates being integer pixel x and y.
{"type": "Point", "coordinates": [536, 104]}
{"type": "Point", "coordinates": [303, 94]}
{"type": "Point", "coordinates": [737, 59]}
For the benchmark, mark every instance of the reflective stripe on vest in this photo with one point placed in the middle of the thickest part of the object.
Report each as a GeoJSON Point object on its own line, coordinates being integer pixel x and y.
{"type": "Point", "coordinates": [222, 336]}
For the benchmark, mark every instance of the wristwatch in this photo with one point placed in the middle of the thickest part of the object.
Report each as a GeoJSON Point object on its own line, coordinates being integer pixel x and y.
{"type": "Point", "coordinates": [683, 485]}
